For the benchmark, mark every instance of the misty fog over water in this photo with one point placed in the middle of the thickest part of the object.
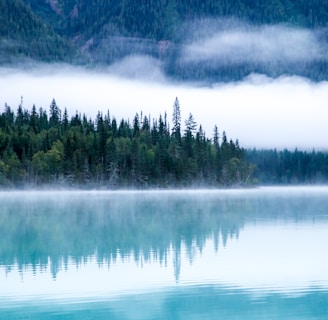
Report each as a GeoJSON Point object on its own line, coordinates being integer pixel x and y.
{"type": "Point", "coordinates": [286, 111]}
{"type": "Point", "coordinates": [176, 253]}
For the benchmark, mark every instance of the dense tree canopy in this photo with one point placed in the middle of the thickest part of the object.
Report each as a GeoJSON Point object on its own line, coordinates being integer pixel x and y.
{"type": "Point", "coordinates": [289, 167]}
{"type": "Point", "coordinates": [37, 149]}
{"type": "Point", "coordinates": [40, 149]}
{"type": "Point", "coordinates": [159, 19]}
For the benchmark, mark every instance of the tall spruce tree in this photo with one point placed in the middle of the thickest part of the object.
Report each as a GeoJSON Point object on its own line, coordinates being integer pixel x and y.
{"type": "Point", "coordinates": [176, 118]}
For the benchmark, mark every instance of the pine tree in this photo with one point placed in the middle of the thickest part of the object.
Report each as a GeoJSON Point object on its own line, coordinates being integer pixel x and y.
{"type": "Point", "coordinates": [55, 115]}
{"type": "Point", "coordinates": [191, 125]}
{"type": "Point", "coordinates": [176, 118]}
{"type": "Point", "coordinates": [216, 137]}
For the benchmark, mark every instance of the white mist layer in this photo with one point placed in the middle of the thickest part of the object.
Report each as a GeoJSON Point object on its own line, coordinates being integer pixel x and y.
{"type": "Point", "coordinates": [265, 44]}
{"type": "Point", "coordinates": [287, 112]}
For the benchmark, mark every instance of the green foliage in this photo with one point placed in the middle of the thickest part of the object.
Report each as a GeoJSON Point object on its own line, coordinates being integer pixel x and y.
{"type": "Point", "coordinates": [37, 150]}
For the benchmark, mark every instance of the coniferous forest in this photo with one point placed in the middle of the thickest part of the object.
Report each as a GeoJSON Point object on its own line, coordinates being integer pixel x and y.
{"type": "Point", "coordinates": [47, 148]}
{"type": "Point", "coordinates": [40, 149]}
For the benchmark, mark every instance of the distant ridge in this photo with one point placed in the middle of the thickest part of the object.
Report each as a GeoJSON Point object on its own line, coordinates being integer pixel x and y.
{"type": "Point", "coordinates": [82, 32]}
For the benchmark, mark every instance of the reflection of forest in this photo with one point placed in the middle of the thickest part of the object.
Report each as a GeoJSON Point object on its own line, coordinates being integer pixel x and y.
{"type": "Point", "coordinates": [51, 228]}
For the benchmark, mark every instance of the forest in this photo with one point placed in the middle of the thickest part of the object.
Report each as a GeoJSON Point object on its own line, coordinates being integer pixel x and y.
{"type": "Point", "coordinates": [289, 167]}
{"type": "Point", "coordinates": [24, 36]}
{"type": "Point", "coordinates": [37, 149]}
{"type": "Point", "coordinates": [99, 32]}
{"type": "Point", "coordinates": [161, 19]}
{"type": "Point", "coordinates": [44, 149]}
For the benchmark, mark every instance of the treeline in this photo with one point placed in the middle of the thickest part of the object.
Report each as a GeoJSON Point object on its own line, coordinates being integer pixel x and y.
{"type": "Point", "coordinates": [37, 149]}
{"type": "Point", "coordinates": [289, 167]}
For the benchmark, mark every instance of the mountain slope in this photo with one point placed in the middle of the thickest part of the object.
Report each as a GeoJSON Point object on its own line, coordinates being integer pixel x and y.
{"type": "Point", "coordinates": [105, 31]}
{"type": "Point", "coordinates": [156, 19]}
{"type": "Point", "coordinates": [23, 35]}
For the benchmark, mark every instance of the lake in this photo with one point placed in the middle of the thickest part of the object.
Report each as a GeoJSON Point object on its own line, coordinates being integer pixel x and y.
{"type": "Point", "coordinates": [208, 254]}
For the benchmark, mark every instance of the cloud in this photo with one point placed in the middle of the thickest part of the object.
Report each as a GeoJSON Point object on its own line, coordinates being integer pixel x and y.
{"type": "Point", "coordinates": [259, 111]}
{"type": "Point", "coordinates": [138, 67]}
{"type": "Point", "coordinates": [235, 44]}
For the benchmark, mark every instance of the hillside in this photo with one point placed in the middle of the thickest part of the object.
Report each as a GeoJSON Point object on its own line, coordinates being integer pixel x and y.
{"type": "Point", "coordinates": [24, 36]}
{"type": "Point", "coordinates": [160, 19]}
{"type": "Point", "coordinates": [105, 31]}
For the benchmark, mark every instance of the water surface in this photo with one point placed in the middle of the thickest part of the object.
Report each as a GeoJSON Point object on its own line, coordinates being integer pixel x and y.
{"type": "Point", "coordinates": [206, 254]}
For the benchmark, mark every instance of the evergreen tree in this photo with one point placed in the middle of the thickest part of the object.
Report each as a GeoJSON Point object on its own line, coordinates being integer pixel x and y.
{"type": "Point", "coordinates": [176, 118]}
{"type": "Point", "coordinates": [55, 114]}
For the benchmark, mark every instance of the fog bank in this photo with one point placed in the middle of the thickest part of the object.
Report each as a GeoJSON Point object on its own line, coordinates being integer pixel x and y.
{"type": "Point", "coordinates": [259, 111]}
{"type": "Point", "coordinates": [225, 43]}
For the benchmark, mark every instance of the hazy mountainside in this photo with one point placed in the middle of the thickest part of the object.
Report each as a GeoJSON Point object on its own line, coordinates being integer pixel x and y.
{"type": "Point", "coordinates": [105, 31]}
{"type": "Point", "coordinates": [160, 19]}
{"type": "Point", "coordinates": [23, 35]}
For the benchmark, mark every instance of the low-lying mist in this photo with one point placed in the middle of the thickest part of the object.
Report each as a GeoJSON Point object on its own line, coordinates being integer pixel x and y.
{"type": "Point", "coordinates": [269, 107]}
{"type": "Point", "coordinates": [286, 112]}
{"type": "Point", "coordinates": [229, 42]}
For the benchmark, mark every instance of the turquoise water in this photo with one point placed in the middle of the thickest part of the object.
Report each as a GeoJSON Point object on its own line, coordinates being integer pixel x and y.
{"type": "Point", "coordinates": [227, 254]}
